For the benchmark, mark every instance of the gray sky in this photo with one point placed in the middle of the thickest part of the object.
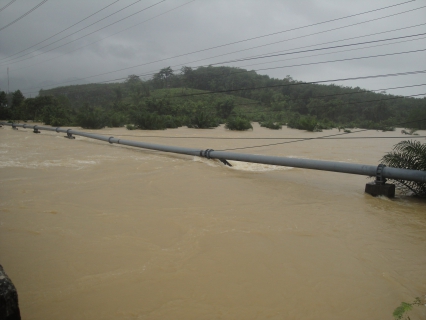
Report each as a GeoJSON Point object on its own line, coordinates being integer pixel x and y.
{"type": "Point", "coordinates": [202, 24]}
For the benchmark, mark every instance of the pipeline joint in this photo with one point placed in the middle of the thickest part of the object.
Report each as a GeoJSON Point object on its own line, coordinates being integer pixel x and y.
{"type": "Point", "coordinates": [35, 129]}
{"type": "Point", "coordinates": [14, 126]}
{"type": "Point", "coordinates": [206, 154]}
{"type": "Point", "coordinates": [69, 135]}
{"type": "Point", "coordinates": [109, 140]}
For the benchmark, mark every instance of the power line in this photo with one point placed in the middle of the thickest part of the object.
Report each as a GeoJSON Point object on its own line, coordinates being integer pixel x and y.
{"type": "Point", "coordinates": [255, 47]}
{"type": "Point", "coordinates": [154, 72]}
{"type": "Point", "coordinates": [13, 62]}
{"type": "Point", "coordinates": [223, 62]}
{"type": "Point", "coordinates": [24, 15]}
{"type": "Point", "coordinates": [332, 61]}
{"type": "Point", "coordinates": [269, 35]}
{"type": "Point", "coordinates": [60, 31]}
{"type": "Point", "coordinates": [327, 53]}
{"type": "Point", "coordinates": [358, 102]}
{"type": "Point", "coordinates": [298, 83]}
{"type": "Point", "coordinates": [347, 103]}
{"type": "Point", "coordinates": [89, 44]}
{"type": "Point", "coordinates": [318, 49]}
{"type": "Point", "coordinates": [4, 7]}
{"type": "Point", "coordinates": [310, 82]}
{"type": "Point", "coordinates": [316, 138]}
{"type": "Point", "coordinates": [333, 95]}
{"type": "Point", "coordinates": [316, 33]}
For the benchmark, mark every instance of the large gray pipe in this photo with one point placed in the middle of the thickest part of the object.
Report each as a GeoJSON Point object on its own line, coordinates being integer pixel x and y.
{"type": "Point", "coordinates": [352, 168]}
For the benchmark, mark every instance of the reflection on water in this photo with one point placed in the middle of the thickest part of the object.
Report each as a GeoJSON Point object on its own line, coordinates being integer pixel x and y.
{"type": "Point", "coordinates": [90, 230]}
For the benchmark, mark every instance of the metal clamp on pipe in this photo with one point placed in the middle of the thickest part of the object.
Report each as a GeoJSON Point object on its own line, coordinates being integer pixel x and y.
{"type": "Point", "coordinates": [206, 154]}
{"type": "Point", "coordinates": [36, 129]}
{"type": "Point", "coordinates": [379, 174]}
{"type": "Point", "coordinates": [69, 135]}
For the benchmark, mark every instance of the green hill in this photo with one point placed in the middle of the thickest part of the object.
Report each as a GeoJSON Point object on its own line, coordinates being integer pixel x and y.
{"type": "Point", "coordinates": [214, 94]}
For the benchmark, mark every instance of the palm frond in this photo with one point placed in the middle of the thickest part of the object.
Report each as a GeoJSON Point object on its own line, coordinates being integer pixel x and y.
{"type": "Point", "coordinates": [408, 155]}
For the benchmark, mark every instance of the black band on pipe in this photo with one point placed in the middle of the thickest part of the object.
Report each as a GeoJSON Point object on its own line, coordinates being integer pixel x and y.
{"type": "Point", "coordinates": [109, 140]}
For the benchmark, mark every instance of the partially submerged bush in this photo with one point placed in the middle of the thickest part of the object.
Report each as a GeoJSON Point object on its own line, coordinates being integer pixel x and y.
{"type": "Point", "coordinates": [408, 155]}
{"type": "Point", "coordinates": [271, 125]}
{"type": "Point", "coordinates": [308, 123]}
{"type": "Point", "coordinates": [202, 119]}
{"type": "Point", "coordinates": [130, 127]}
{"type": "Point", "coordinates": [238, 123]}
{"type": "Point", "coordinates": [91, 118]}
{"type": "Point", "coordinates": [149, 121]}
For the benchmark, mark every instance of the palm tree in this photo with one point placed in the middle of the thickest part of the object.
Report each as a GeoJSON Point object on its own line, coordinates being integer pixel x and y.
{"type": "Point", "coordinates": [408, 155]}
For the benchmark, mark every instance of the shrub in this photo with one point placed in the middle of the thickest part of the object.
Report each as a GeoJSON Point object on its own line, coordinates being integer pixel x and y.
{"type": "Point", "coordinates": [202, 119]}
{"type": "Point", "coordinates": [308, 123]}
{"type": "Point", "coordinates": [238, 123]}
{"type": "Point", "coordinates": [149, 121]}
{"type": "Point", "coordinates": [271, 125]}
{"type": "Point", "coordinates": [91, 118]}
{"type": "Point", "coordinates": [408, 155]}
{"type": "Point", "coordinates": [116, 120]}
{"type": "Point", "coordinates": [130, 127]}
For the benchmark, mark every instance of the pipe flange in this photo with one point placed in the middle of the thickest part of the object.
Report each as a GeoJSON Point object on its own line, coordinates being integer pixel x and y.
{"type": "Point", "coordinates": [109, 140]}
{"type": "Point", "coordinates": [57, 129]}
{"type": "Point", "coordinates": [207, 153]}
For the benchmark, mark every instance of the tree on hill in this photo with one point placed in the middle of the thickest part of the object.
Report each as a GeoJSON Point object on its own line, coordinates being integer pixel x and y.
{"type": "Point", "coordinates": [17, 98]}
{"type": "Point", "coordinates": [162, 78]}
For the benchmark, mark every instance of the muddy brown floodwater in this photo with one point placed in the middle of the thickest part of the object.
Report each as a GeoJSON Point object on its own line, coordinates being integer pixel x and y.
{"type": "Point", "coordinates": [90, 230]}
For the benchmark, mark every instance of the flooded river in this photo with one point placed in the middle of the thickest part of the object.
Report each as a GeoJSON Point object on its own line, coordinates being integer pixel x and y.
{"type": "Point", "coordinates": [90, 230]}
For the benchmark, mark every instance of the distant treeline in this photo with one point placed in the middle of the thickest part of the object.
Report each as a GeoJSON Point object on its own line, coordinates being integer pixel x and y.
{"type": "Point", "coordinates": [172, 99]}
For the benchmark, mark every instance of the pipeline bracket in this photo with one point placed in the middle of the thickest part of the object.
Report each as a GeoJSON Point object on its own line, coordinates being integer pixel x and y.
{"type": "Point", "coordinates": [379, 187]}
{"type": "Point", "coordinates": [379, 174]}
{"type": "Point", "coordinates": [69, 135]}
{"type": "Point", "coordinates": [14, 127]}
{"type": "Point", "coordinates": [35, 129]}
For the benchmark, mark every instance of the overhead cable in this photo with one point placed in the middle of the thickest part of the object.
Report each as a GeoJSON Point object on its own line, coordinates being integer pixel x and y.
{"type": "Point", "coordinates": [288, 30]}
{"type": "Point", "coordinates": [89, 44]}
{"type": "Point", "coordinates": [23, 16]}
{"type": "Point", "coordinates": [5, 6]}
{"type": "Point", "coordinates": [150, 73]}
{"type": "Point", "coordinates": [310, 82]}
{"type": "Point", "coordinates": [5, 58]}
{"type": "Point", "coordinates": [315, 138]}
{"type": "Point", "coordinates": [13, 62]}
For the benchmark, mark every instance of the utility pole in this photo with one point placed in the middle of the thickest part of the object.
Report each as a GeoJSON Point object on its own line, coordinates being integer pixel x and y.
{"type": "Point", "coordinates": [8, 80]}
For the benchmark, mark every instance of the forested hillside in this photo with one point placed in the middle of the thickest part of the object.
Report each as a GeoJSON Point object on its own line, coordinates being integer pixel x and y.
{"type": "Point", "coordinates": [207, 96]}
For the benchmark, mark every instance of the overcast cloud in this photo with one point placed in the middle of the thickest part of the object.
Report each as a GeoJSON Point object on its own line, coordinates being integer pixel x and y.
{"type": "Point", "coordinates": [203, 24]}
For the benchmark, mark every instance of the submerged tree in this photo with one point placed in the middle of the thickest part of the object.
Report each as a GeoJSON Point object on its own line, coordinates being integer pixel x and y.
{"type": "Point", "coordinates": [408, 155]}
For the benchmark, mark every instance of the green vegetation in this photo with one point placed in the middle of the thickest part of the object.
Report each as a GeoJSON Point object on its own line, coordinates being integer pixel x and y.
{"type": "Point", "coordinates": [271, 124]}
{"type": "Point", "coordinates": [400, 311]}
{"type": "Point", "coordinates": [238, 123]}
{"type": "Point", "coordinates": [182, 98]}
{"type": "Point", "coordinates": [408, 155]}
